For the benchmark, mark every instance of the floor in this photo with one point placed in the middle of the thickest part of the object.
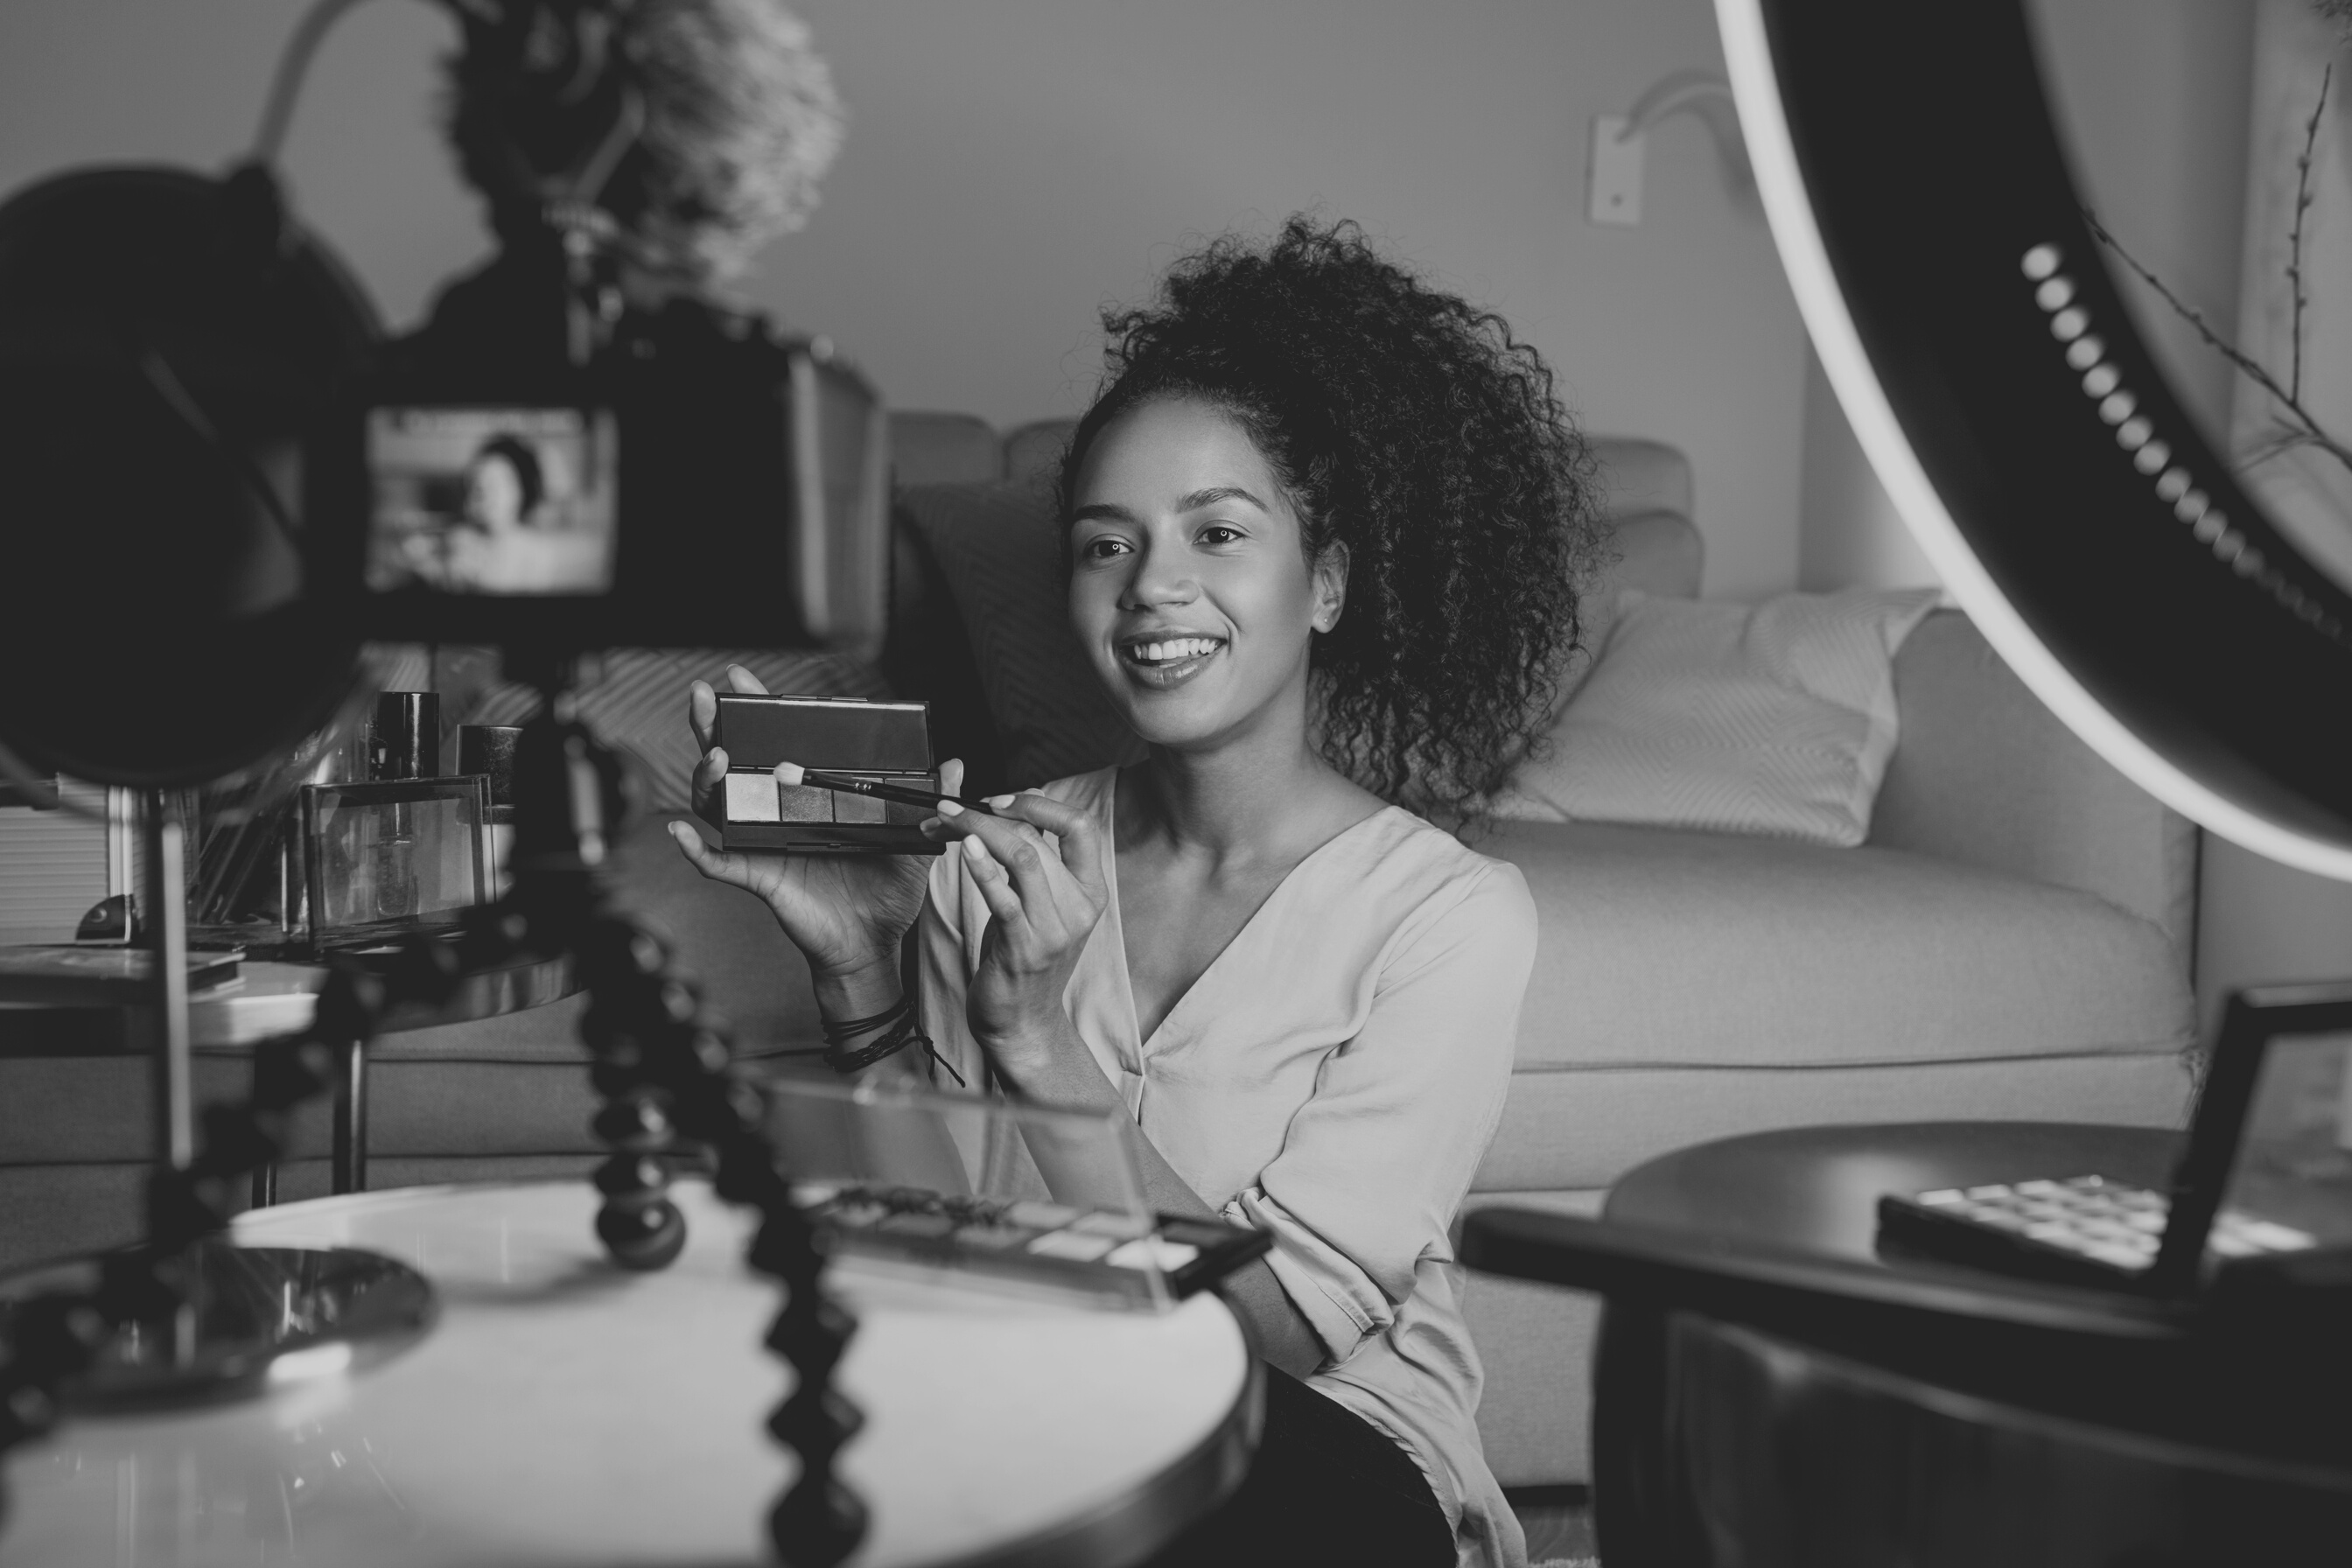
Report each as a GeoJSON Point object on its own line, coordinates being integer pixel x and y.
{"type": "Point", "coordinates": [1558, 1522]}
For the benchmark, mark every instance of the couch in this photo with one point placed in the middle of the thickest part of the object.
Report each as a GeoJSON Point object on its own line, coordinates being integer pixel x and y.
{"type": "Point", "coordinates": [2012, 941]}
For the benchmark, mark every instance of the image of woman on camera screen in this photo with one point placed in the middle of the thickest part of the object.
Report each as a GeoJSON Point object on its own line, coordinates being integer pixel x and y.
{"type": "Point", "coordinates": [1325, 528]}
{"type": "Point", "coordinates": [507, 537]}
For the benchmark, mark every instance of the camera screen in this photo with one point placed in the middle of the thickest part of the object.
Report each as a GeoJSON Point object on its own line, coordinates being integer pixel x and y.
{"type": "Point", "coordinates": [501, 502]}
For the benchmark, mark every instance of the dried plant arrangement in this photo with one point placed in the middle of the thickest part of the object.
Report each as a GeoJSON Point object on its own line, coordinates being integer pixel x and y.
{"type": "Point", "coordinates": [2296, 425]}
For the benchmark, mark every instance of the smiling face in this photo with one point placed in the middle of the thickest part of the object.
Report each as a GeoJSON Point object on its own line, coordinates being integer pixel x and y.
{"type": "Point", "coordinates": [494, 493]}
{"type": "Point", "coordinates": [1190, 588]}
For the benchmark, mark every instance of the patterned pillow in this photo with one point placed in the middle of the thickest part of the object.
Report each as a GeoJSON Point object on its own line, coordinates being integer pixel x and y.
{"type": "Point", "coordinates": [998, 549]}
{"type": "Point", "coordinates": [1775, 719]}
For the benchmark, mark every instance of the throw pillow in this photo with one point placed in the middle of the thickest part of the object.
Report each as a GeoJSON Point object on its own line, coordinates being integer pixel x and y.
{"type": "Point", "coordinates": [1002, 556]}
{"type": "Point", "coordinates": [1775, 719]}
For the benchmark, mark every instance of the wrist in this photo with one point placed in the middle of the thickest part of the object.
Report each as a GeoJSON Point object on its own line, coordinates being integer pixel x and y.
{"type": "Point", "coordinates": [1023, 1050]}
{"type": "Point", "coordinates": [858, 991]}
{"type": "Point", "coordinates": [1061, 1073]}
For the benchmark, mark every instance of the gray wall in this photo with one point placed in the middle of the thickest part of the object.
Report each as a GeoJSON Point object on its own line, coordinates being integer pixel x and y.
{"type": "Point", "coordinates": [1014, 164]}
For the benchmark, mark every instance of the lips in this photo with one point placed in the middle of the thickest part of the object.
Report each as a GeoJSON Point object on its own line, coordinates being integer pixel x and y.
{"type": "Point", "coordinates": [1167, 658]}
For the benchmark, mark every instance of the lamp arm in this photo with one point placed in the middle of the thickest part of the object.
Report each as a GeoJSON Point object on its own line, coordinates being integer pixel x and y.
{"type": "Point", "coordinates": [1707, 96]}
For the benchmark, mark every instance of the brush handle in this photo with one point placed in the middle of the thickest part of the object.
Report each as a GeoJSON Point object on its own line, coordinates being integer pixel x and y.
{"type": "Point", "coordinates": [843, 784]}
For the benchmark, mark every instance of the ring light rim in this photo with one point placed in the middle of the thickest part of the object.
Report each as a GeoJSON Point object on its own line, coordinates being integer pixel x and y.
{"type": "Point", "coordinates": [1804, 259]}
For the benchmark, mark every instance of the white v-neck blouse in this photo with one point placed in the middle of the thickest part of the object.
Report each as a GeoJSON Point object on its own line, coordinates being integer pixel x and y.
{"type": "Point", "coordinates": [1333, 1078]}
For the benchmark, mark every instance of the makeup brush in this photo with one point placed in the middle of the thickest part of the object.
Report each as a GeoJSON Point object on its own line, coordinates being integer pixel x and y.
{"type": "Point", "coordinates": [842, 784]}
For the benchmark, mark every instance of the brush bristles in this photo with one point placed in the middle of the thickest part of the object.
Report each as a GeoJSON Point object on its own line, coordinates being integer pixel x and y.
{"type": "Point", "coordinates": [790, 772]}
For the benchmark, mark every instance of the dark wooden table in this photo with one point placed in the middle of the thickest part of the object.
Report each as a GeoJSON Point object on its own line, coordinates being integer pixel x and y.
{"type": "Point", "coordinates": [1715, 1443]}
{"type": "Point", "coordinates": [1816, 1189]}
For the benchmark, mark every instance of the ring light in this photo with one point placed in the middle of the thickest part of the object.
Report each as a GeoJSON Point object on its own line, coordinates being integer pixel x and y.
{"type": "Point", "coordinates": [163, 339]}
{"type": "Point", "coordinates": [1941, 260]}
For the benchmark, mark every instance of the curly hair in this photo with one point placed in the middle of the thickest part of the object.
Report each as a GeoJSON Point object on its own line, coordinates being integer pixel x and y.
{"type": "Point", "coordinates": [1413, 429]}
{"type": "Point", "coordinates": [741, 119]}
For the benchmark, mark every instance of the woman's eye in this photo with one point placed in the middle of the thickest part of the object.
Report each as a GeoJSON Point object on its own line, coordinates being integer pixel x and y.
{"type": "Point", "coordinates": [1102, 547]}
{"type": "Point", "coordinates": [1221, 533]}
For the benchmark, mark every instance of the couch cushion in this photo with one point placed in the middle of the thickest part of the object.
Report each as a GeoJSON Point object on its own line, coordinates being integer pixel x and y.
{"type": "Point", "coordinates": [1773, 719]}
{"type": "Point", "coordinates": [1985, 773]}
{"type": "Point", "coordinates": [1667, 947]}
{"type": "Point", "coordinates": [1658, 553]}
{"type": "Point", "coordinates": [1033, 452]}
{"type": "Point", "coordinates": [929, 449]}
{"type": "Point", "coordinates": [1638, 475]}
{"type": "Point", "coordinates": [1535, 1344]}
{"type": "Point", "coordinates": [509, 1086]}
{"type": "Point", "coordinates": [1587, 1128]}
{"type": "Point", "coordinates": [1001, 557]}
{"type": "Point", "coordinates": [48, 1211]}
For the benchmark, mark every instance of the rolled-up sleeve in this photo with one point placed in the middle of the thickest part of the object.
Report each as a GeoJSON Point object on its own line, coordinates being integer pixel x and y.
{"type": "Point", "coordinates": [1375, 1164]}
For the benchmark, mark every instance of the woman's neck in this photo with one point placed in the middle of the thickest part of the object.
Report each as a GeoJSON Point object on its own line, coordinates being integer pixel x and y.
{"type": "Point", "coordinates": [1250, 797]}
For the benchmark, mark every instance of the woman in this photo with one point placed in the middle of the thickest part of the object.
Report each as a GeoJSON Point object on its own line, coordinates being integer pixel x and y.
{"type": "Point", "coordinates": [490, 548]}
{"type": "Point", "coordinates": [1324, 529]}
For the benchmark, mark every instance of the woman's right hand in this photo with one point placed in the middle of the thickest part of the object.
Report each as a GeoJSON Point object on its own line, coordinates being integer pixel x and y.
{"type": "Point", "coordinates": [847, 913]}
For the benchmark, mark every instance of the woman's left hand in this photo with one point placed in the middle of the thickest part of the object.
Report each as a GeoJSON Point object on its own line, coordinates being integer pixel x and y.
{"type": "Point", "coordinates": [1038, 865]}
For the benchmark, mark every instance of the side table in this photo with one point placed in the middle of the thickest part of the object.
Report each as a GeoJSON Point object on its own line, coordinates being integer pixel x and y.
{"type": "Point", "coordinates": [1878, 1412]}
{"type": "Point", "coordinates": [269, 999]}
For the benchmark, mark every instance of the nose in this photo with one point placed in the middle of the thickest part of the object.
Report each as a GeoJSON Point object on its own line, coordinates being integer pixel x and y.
{"type": "Point", "coordinates": [1160, 577]}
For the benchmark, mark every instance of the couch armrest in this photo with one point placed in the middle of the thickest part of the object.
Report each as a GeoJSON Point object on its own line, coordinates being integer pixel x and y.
{"type": "Point", "coordinates": [1983, 774]}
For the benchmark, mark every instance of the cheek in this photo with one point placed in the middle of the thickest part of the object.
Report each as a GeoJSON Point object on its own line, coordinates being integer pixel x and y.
{"type": "Point", "coordinates": [1274, 603]}
{"type": "Point", "coordinates": [1093, 602]}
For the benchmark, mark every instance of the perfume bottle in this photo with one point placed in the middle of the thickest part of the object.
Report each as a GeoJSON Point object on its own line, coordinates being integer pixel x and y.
{"type": "Point", "coordinates": [406, 744]}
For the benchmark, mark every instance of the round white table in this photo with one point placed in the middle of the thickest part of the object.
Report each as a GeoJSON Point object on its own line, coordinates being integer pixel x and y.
{"type": "Point", "coordinates": [565, 1411]}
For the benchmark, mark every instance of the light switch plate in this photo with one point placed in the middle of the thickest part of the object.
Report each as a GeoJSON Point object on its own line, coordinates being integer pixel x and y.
{"type": "Point", "coordinates": [1613, 172]}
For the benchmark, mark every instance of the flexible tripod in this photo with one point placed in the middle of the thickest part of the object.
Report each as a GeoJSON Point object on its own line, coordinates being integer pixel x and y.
{"type": "Point", "coordinates": [668, 1081]}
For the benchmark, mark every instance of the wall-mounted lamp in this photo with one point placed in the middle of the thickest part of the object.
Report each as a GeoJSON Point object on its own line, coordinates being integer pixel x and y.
{"type": "Point", "coordinates": [1613, 172]}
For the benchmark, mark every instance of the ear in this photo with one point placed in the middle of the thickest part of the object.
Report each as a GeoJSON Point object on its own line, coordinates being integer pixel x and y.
{"type": "Point", "coordinates": [1331, 586]}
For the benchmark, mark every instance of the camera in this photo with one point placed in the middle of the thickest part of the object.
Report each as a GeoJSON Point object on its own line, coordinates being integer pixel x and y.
{"type": "Point", "coordinates": [587, 446]}
{"type": "Point", "coordinates": [699, 482]}
{"type": "Point", "coordinates": [210, 449]}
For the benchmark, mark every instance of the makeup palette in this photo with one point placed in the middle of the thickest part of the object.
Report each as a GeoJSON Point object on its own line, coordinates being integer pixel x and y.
{"type": "Point", "coordinates": [1096, 1257]}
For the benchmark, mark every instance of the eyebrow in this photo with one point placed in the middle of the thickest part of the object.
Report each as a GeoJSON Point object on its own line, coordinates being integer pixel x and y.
{"type": "Point", "coordinates": [1216, 493]}
{"type": "Point", "coordinates": [1196, 501]}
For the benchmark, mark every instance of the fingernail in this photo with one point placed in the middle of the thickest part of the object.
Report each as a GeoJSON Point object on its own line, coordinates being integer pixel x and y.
{"type": "Point", "coordinates": [928, 824]}
{"type": "Point", "coordinates": [1001, 801]}
{"type": "Point", "coordinates": [974, 849]}
{"type": "Point", "coordinates": [950, 808]}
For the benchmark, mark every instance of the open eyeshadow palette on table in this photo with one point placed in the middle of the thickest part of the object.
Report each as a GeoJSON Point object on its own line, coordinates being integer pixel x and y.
{"type": "Point", "coordinates": [1101, 1256]}
{"type": "Point", "coordinates": [1001, 1196]}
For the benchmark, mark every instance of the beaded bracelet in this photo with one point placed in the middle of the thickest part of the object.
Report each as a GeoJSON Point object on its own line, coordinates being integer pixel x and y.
{"type": "Point", "coordinates": [905, 1029]}
{"type": "Point", "coordinates": [850, 1029]}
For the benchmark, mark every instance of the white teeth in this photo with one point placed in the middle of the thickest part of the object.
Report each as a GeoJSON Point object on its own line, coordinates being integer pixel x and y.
{"type": "Point", "coordinates": [1175, 648]}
